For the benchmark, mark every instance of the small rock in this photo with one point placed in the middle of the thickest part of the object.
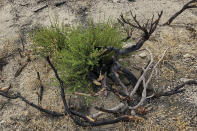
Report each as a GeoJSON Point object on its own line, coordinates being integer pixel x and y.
{"type": "Point", "coordinates": [142, 55]}
{"type": "Point", "coordinates": [187, 56]}
{"type": "Point", "coordinates": [133, 112]}
{"type": "Point", "coordinates": [184, 79]}
{"type": "Point", "coordinates": [1, 122]}
{"type": "Point", "coordinates": [116, 1]}
{"type": "Point", "coordinates": [120, 60]}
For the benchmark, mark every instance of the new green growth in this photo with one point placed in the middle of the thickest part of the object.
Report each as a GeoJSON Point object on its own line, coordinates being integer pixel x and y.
{"type": "Point", "coordinates": [73, 49]}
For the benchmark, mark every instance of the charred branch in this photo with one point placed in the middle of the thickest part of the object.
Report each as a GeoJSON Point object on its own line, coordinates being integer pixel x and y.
{"type": "Point", "coordinates": [60, 3]}
{"type": "Point", "coordinates": [3, 62]}
{"type": "Point", "coordinates": [86, 120]}
{"type": "Point", "coordinates": [115, 77]}
{"type": "Point", "coordinates": [189, 5]}
{"type": "Point", "coordinates": [176, 90]}
{"type": "Point", "coordinates": [40, 95]}
{"type": "Point", "coordinates": [19, 96]}
{"type": "Point", "coordinates": [127, 30]}
{"type": "Point", "coordinates": [19, 71]}
{"type": "Point", "coordinates": [40, 9]}
{"type": "Point", "coordinates": [147, 30]}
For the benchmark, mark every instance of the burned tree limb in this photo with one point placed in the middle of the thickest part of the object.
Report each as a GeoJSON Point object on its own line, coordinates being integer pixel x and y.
{"type": "Point", "coordinates": [129, 75]}
{"type": "Point", "coordinates": [145, 36]}
{"type": "Point", "coordinates": [19, 96]}
{"type": "Point", "coordinates": [87, 121]}
{"type": "Point", "coordinates": [145, 84]}
{"type": "Point", "coordinates": [66, 108]}
{"type": "Point", "coordinates": [115, 77]}
{"type": "Point", "coordinates": [189, 82]}
{"type": "Point", "coordinates": [189, 5]}
{"type": "Point", "coordinates": [121, 105]}
{"type": "Point", "coordinates": [176, 90]}
{"type": "Point", "coordinates": [82, 120]}
{"type": "Point", "coordinates": [22, 39]}
{"type": "Point", "coordinates": [127, 30]}
{"type": "Point", "coordinates": [40, 95]}
{"type": "Point", "coordinates": [167, 93]}
{"type": "Point", "coordinates": [60, 3]}
{"type": "Point", "coordinates": [3, 62]}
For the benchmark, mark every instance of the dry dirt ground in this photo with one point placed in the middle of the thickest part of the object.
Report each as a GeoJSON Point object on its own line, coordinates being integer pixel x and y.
{"type": "Point", "coordinates": [18, 17]}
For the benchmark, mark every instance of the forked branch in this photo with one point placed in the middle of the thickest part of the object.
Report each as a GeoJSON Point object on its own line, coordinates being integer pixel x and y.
{"type": "Point", "coordinates": [147, 29]}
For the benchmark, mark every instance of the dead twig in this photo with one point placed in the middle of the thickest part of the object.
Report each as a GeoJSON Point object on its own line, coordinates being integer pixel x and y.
{"type": "Point", "coordinates": [40, 95]}
{"type": "Point", "coordinates": [82, 94]}
{"type": "Point", "coordinates": [41, 8]}
{"type": "Point", "coordinates": [57, 4]}
{"type": "Point", "coordinates": [143, 75]}
{"type": "Point", "coordinates": [21, 68]}
{"type": "Point", "coordinates": [18, 72]}
{"type": "Point", "coordinates": [127, 30]}
{"type": "Point", "coordinates": [22, 39]}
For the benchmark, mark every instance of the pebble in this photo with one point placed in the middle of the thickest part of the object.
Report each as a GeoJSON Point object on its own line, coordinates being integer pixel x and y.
{"type": "Point", "coordinates": [188, 56]}
{"type": "Point", "coordinates": [1, 122]}
{"type": "Point", "coordinates": [142, 55]}
{"type": "Point", "coordinates": [184, 79]}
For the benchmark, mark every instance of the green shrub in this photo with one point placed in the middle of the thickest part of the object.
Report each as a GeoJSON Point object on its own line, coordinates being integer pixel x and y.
{"type": "Point", "coordinates": [73, 51]}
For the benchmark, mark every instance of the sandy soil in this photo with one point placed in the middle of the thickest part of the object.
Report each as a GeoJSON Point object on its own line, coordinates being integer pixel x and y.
{"type": "Point", "coordinates": [19, 17]}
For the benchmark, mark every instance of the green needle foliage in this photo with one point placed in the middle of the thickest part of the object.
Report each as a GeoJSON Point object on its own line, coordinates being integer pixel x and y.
{"type": "Point", "coordinates": [73, 51]}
